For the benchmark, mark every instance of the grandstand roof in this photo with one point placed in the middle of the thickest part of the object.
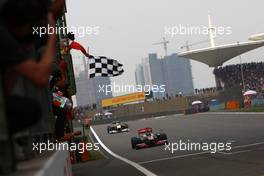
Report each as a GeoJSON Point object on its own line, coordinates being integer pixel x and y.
{"type": "Point", "coordinates": [216, 56]}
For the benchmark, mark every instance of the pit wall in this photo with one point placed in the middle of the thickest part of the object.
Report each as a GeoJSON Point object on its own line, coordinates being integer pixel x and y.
{"type": "Point", "coordinates": [59, 164]}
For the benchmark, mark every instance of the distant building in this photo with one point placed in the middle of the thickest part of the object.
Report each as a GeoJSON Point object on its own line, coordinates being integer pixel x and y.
{"type": "Point", "coordinates": [88, 88]}
{"type": "Point", "coordinates": [139, 74]}
{"type": "Point", "coordinates": [172, 71]}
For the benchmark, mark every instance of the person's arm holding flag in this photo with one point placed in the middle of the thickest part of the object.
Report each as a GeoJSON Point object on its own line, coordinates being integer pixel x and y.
{"type": "Point", "coordinates": [77, 46]}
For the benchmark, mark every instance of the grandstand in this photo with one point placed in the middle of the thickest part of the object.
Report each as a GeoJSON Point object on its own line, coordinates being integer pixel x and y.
{"type": "Point", "coordinates": [249, 76]}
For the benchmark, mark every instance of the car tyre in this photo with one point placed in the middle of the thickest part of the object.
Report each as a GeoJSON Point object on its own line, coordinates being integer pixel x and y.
{"type": "Point", "coordinates": [134, 142]}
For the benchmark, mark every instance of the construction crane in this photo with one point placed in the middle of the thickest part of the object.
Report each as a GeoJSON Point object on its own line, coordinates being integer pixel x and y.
{"type": "Point", "coordinates": [188, 45]}
{"type": "Point", "coordinates": [165, 44]}
{"type": "Point", "coordinates": [211, 30]}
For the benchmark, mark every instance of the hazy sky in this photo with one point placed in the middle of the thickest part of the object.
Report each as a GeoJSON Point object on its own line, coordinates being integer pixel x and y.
{"type": "Point", "coordinates": [127, 29]}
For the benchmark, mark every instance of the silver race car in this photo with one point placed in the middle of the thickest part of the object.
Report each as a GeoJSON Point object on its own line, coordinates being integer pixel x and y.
{"type": "Point", "coordinates": [117, 127]}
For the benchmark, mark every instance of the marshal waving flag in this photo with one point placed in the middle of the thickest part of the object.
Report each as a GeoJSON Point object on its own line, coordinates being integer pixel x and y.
{"type": "Point", "coordinates": [104, 67]}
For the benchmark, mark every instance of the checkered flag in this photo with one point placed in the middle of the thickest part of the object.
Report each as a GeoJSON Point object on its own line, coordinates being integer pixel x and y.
{"type": "Point", "coordinates": [104, 67]}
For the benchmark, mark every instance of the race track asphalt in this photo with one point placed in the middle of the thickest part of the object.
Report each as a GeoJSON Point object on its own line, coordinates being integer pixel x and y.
{"type": "Point", "coordinates": [245, 131]}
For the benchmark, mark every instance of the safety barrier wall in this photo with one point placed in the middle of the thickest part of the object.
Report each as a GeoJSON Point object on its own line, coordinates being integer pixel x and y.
{"type": "Point", "coordinates": [257, 102]}
{"type": "Point", "coordinates": [174, 105]}
{"type": "Point", "coordinates": [232, 94]}
{"type": "Point", "coordinates": [155, 107]}
{"type": "Point", "coordinates": [219, 106]}
{"type": "Point", "coordinates": [234, 104]}
{"type": "Point", "coordinates": [46, 125]}
{"type": "Point", "coordinates": [59, 164]}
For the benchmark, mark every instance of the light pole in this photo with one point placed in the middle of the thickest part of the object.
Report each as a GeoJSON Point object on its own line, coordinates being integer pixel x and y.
{"type": "Point", "coordinates": [241, 72]}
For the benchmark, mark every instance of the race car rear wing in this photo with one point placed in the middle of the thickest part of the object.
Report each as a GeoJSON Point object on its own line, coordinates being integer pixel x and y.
{"type": "Point", "coordinates": [144, 130]}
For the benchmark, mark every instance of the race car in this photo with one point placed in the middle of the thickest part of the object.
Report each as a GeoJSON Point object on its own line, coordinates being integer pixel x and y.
{"type": "Point", "coordinates": [146, 138]}
{"type": "Point", "coordinates": [117, 127]}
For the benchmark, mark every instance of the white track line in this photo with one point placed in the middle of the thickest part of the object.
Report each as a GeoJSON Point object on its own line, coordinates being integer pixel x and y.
{"type": "Point", "coordinates": [224, 153]}
{"type": "Point", "coordinates": [243, 151]}
{"type": "Point", "coordinates": [174, 157]}
{"type": "Point", "coordinates": [201, 153]}
{"type": "Point", "coordinates": [135, 165]}
{"type": "Point", "coordinates": [160, 117]}
{"type": "Point", "coordinates": [247, 145]}
{"type": "Point", "coordinates": [232, 153]}
{"type": "Point", "coordinates": [236, 113]}
{"type": "Point", "coordinates": [232, 141]}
